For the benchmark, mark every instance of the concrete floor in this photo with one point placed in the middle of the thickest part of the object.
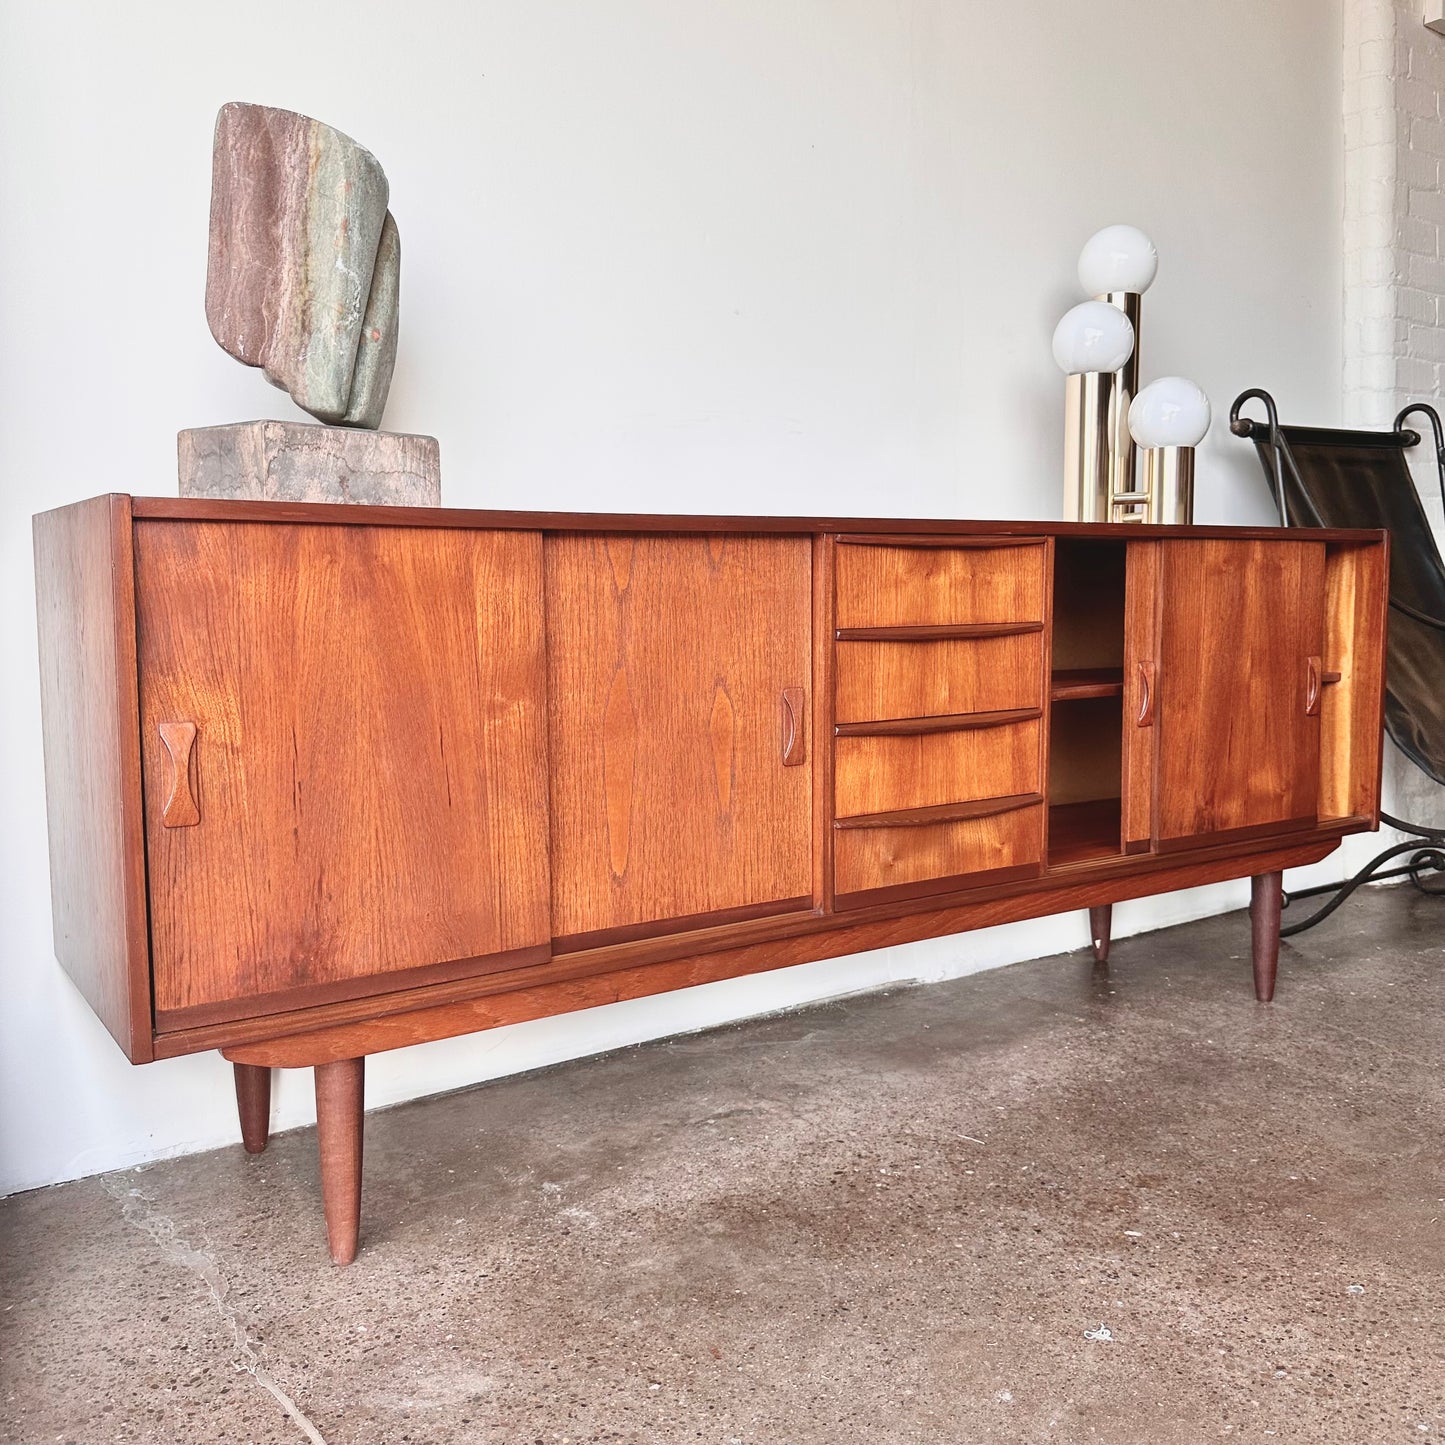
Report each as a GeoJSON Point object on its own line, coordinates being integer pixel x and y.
{"type": "Point", "coordinates": [908, 1217]}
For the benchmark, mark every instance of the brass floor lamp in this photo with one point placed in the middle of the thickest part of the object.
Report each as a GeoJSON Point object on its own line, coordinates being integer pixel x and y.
{"type": "Point", "coordinates": [1108, 421]}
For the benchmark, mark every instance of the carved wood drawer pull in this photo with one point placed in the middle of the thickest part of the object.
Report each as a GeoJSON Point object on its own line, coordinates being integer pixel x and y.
{"type": "Point", "coordinates": [180, 810]}
{"type": "Point", "coordinates": [795, 749]}
{"type": "Point", "coordinates": [1146, 695]}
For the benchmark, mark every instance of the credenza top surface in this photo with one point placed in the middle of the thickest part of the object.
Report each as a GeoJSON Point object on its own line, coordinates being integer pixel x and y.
{"type": "Point", "coordinates": [330, 513]}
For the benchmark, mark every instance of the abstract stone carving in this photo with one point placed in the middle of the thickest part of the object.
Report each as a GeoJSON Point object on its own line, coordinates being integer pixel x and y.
{"type": "Point", "coordinates": [304, 266]}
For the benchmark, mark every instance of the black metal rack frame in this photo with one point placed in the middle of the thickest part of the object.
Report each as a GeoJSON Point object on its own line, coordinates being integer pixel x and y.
{"type": "Point", "coordinates": [1425, 865]}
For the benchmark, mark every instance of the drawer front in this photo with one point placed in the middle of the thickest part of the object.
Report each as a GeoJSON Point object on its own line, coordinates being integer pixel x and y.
{"type": "Point", "coordinates": [877, 680]}
{"type": "Point", "coordinates": [883, 774]}
{"type": "Point", "coordinates": [901, 586]}
{"type": "Point", "coordinates": [937, 857]}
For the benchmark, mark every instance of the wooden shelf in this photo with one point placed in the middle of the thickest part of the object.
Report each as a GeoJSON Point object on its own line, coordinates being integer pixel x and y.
{"type": "Point", "coordinates": [1086, 682]}
{"type": "Point", "coordinates": [1084, 833]}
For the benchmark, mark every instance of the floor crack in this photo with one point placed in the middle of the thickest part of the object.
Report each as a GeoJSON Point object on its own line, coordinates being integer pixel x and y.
{"type": "Point", "coordinates": [139, 1210]}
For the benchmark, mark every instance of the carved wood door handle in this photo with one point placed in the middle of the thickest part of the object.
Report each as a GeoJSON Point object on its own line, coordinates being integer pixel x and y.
{"type": "Point", "coordinates": [795, 748]}
{"type": "Point", "coordinates": [1314, 677]}
{"type": "Point", "coordinates": [1145, 716]}
{"type": "Point", "coordinates": [180, 809]}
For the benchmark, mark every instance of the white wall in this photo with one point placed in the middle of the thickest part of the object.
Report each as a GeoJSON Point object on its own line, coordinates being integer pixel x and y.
{"type": "Point", "coordinates": [765, 255]}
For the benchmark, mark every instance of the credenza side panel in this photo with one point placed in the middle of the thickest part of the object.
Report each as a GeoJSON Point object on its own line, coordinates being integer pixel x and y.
{"type": "Point", "coordinates": [668, 661]}
{"type": "Point", "coordinates": [85, 609]}
{"type": "Point", "coordinates": [363, 802]}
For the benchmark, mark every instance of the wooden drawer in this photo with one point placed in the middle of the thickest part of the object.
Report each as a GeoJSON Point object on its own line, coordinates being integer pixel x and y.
{"type": "Point", "coordinates": [880, 774]}
{"type": "Point", "coordinates": [925, 679]}
{"type": "Point", "coordinates": [937, 857]}
{"type": "Point", "coordinates": [910, 586]}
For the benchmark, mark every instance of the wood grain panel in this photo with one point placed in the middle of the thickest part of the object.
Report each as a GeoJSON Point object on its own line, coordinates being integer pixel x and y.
{"type": "Point", "coordinates": [1351, 736]}
{"type": "Point", "coordinates": [369, 758]}
{"type": "Point", "coordinates": [667, 662]}
{"type": "Point", "coordinates": [876, 774]}
{"type": "Point", "coordinates": [676, 924]}
{"type": "Point", "coordinates": [915, 586]}
{"type": "Point", "coordinates": [768, 943]}
{"type": "Point", "coordinates": [85, 607]}
{"type": "Point", "coordinates": [908, 530]}
{"type": "Point", "coordinates": [918, 679]}
{"type": "Point", "coordinates": [1236, 748]}
{"type": "Point", "coordinates": [1141, 669]}
{"type": "Point", "coordinates": [1020, 900]}
{"type": "Point", "coordinates": [368, 986]}
{"type": "Point", "coordinates": [869, 858]}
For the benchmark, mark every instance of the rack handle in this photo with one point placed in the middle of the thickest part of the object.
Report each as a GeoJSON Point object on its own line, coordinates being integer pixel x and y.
{"type": "Point", "coordinates": [180, 809]}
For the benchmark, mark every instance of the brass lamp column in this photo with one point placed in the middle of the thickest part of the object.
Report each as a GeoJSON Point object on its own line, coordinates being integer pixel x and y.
{"type": "Point", "coordinates": [1126, 502]}
{"type": "Point", "coordinates": [1087, 404]}
{"type": "Point", "coordinates": [1167, 420]}
{"type": "Point", "coordinates": [1169, 481]}
{"type": "Point", "coordinates": [1094, 346]}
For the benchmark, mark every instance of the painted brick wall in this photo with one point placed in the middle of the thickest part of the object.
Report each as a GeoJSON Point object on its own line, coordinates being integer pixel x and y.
{"type": "Point", "coordinates": [1394, 258]}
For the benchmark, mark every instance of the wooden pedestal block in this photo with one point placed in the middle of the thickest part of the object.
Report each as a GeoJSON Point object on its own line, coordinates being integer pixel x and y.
{"type": "Point", "coordinates": [287, 461]}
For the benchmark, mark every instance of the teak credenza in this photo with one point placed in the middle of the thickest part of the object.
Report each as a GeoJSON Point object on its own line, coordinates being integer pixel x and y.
{"type": "Point", "coordinates": [325, 781]}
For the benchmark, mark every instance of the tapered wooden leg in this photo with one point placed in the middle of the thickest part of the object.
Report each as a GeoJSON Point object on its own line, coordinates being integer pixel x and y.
{"type": "Point", "coordinates": [1265, 898]}
{"type": "Point", "coordinates": [253, 1103]}
{"type": "Point", "coordinates": [339, 1089]}
{"type": "Point", "coordinates": [1100, 921]}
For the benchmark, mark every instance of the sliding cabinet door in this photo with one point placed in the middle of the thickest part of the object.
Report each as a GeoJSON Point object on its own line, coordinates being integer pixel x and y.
{"type": "Point", "coordinates": [1239, 677]}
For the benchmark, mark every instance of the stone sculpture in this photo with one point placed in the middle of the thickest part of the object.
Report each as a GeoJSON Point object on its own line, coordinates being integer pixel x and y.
{"type": "Point", "coordinates": [302, 280]}
{"type": "Point", "coordinates": [305, 260]}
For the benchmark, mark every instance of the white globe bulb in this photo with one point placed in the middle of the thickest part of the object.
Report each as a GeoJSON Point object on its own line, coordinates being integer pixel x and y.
{"type": "Point", "coordinates": [1118, 258]}
{"type": "Point", "coordinates": [1093, 336]}
{"type": "Point", "coordinates": [1170, 412]}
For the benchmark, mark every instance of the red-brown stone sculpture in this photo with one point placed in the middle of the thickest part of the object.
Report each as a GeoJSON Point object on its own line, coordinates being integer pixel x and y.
{"type": "Point", "coordinates": [305, 260]}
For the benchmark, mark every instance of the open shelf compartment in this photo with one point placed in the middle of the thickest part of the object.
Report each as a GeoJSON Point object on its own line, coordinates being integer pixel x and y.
{"type": "Point", "coordinates": [1086, 691]}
